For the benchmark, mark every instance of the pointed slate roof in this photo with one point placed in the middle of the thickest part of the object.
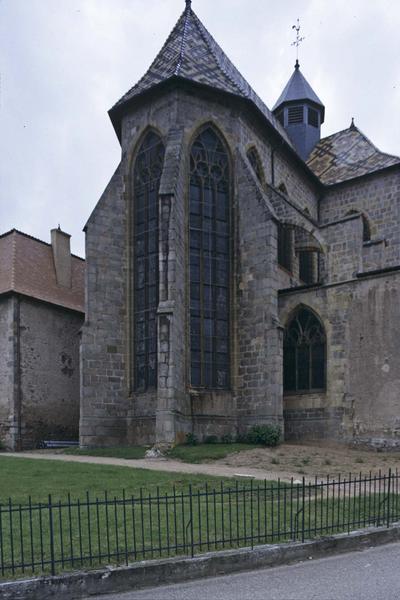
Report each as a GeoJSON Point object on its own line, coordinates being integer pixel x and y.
{"type": "Point", "coordinates": [192, 54]}
{"type": "Point", "coordinates": [298, 88]}
{"type": "Point", "coordinates": [346, 155]}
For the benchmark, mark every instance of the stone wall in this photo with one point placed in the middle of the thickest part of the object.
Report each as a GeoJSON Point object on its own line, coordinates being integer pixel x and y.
{"type": "Point", "coordinates": [111, 412]}
{"type": "Point", "coordinates": [39, 372]}
{"type": "Point", "coordinates": [105, 383]}
{"type": "Point", "coordinates": [378, 197]}
{"type": "Point", "coordinates": [361, 402]}
{"type": "Point", "coordinates": [49, 372]}
{"type": "Point", "coordinates": [6, 372]}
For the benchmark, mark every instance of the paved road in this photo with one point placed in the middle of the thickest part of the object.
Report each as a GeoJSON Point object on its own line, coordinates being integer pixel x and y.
{"type": "Point", "coordinates": [370, 575]}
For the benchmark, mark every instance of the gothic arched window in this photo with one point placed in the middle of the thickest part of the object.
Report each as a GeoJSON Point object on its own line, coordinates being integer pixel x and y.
{"type": "Point", "coordinates": [209, 242]}
{"type": "Point", "coordinates": [304, 353]}
{"type": "Point", "coordinates": [146, 183]}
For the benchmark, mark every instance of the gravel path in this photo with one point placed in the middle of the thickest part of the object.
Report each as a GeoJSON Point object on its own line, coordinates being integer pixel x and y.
{"type": "Point", "coordinates": [156, 464]}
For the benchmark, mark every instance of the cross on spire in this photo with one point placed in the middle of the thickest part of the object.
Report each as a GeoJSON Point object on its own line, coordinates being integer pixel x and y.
{"type": "Point", "coordinates": [297, 42]}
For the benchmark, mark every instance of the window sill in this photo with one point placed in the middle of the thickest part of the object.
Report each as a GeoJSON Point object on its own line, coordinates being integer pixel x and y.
{"type": "Point", "coordinates": [287, 394]}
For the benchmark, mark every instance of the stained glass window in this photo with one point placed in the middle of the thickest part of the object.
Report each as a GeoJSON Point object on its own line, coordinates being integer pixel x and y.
{"type": "Point", "coordinates": [209, 239]}
{"type": "Point", "coordinates": [304, 354]}
{"type": "Point", "coordinates": [146, 181]}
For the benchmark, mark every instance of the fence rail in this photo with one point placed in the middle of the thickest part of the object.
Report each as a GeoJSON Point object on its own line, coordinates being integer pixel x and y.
{"type": "Point", "coordinates": [57, 536]}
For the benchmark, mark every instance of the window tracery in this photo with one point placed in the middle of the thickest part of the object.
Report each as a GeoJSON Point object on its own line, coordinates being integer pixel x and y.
{"type": "Point", "coordinates": [146, 182]}
{"type": "Point", "coordinates": [209, 242]}
{"type": "Point", "coordinates": [304, 353]}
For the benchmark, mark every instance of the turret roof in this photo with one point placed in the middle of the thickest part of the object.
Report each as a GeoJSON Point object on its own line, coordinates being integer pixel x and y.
{"type": "Point", "coordinates": [298, 88]}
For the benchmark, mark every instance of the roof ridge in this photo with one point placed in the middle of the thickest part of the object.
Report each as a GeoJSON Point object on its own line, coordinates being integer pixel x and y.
{"type": "Point", "coordinates": [188, 11]}
{"type": "Point", "coordinates": [247, 90]}
{"type": "Point", "coordinates": [337, 133]}
{"type": "Point", "coordinates": [375, 146]}
{"type": "Point", "coordinates": [203, 30]}
{"type": "Point", "coordinates": [167, 41]}
{"type": "Point", "coordinates": [35, 239]}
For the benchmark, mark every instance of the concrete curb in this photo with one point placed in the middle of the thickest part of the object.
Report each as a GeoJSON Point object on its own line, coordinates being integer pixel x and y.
{"type": "Point", "coordinates": [174, 570]}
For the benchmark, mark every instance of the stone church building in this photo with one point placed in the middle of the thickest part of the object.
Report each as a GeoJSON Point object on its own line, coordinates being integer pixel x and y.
{"type": "Point", "coordinates": [241, 269]}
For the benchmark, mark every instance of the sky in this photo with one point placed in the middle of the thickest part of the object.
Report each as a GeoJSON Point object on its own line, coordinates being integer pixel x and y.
{"type": "Point", "coordinates": [64, 63]}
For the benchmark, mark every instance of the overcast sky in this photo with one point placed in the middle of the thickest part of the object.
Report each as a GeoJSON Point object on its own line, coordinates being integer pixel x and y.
{"type": "Point", "coordinates": [64, 63]}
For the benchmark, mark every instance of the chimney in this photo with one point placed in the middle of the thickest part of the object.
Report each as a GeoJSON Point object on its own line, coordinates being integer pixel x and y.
{"type": "Point", "coordinates": [60, 243]}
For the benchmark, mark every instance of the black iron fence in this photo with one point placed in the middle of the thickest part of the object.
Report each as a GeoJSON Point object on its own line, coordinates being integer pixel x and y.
{"type": "Point", "coordinates": [62, 535]}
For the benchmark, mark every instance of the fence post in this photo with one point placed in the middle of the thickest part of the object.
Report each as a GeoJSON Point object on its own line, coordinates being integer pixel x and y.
{"type": "Point", "coordinates": [51, 537]}
{"type": "Point", "coordinates": [191, 520]}
{"type": "Point", "coordinates": [303, 497]}
{"type": "Point", "coordinates": [388, 497]}
{"type": "Point", "coordinates": [251, 514]}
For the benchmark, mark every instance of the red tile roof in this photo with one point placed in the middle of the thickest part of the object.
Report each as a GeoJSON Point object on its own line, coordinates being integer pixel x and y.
{"type": "Point", "coordinates": [27, 267]}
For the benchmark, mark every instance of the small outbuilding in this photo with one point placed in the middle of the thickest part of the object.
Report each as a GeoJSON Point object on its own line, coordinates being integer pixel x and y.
{"type": "Point", "coordinates": [41, 313]}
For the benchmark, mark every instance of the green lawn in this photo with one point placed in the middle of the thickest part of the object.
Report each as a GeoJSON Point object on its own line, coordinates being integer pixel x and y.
{"type": "Point", "coordinates": [190, 454]}
{"type": "Point", "coordinates": [206, 452]}
{"type": "Point", "coordinates": [134, 514]}
{"type": "Point", "coordinates": [21, 478]}
{"type": "Point", "coordinates": [128, 452]}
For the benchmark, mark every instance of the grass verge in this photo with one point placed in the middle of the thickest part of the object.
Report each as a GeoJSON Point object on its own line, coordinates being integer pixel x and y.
{"type": "Point", "coordinates": [189, 454]}
{"type": "Point", "coordinates": [23, 477]}
{"type": "Point", "coordinates": [128, 452]}
{"type": "Point", "coordinates": [207, 452]}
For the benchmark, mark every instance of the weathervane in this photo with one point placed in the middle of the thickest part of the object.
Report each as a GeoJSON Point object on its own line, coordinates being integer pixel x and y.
{"type": "Point", "coordinates": [297, 42]}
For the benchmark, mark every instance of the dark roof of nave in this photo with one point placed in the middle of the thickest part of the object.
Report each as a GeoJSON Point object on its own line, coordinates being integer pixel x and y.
{"type": "Point", "coordinates": [346, 155]}
{"type": "Point", "coordinates": [297, 88]}
{"type": "Point", "coordinates": [192, 54]}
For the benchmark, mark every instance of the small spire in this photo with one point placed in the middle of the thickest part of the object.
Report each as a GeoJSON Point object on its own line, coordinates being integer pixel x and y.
{"type": "Point", "coordinates": [352, 126]}
{"type": "Point", "coordinates": [297, 65]}
{"type": "Point", "coordinates": [188, 4]}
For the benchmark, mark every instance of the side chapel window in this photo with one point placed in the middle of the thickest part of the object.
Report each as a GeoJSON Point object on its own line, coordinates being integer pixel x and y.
{"type": "Point", "coordinates": [308, 266]}
{"type": "Point", "coordinates": [209, 240]}
{"type": "Point", "coordinates": [285, 246]}
{"type": "Point", "coordinates": [304, 354]}
{"type": "Point", "coordinates": [146, 183]}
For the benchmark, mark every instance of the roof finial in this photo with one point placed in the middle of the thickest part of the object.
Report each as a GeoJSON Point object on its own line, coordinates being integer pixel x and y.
{"type": "Point", "coordinates": [352, 126]}
{"type": "Point", "coordinates": [297, 42]}
{"type": "Point", "coordinates": [188, 3]}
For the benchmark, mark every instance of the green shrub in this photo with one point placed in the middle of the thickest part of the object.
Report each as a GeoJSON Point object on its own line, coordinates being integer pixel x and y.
{"type": "Point", "coordinates": [242, 438]}
{"type": "Point", "coordinates": [267, 435]}
{"type": "Point", "coordinates": [211, 439]}
{"type": "Point", "coordinates": [191, 439]}
{"type": "Point", "coordinates": [227, 438]}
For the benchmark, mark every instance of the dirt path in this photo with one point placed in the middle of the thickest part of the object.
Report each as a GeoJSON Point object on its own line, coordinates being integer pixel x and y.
{"type": "Point", "coordinates": [215, 469]}
{"type": "Point", "coordinates": [285, 461]}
